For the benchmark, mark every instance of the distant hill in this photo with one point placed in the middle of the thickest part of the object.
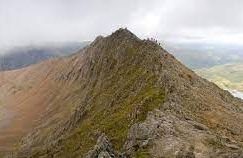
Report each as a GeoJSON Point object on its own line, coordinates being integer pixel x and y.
{"type": "Point", "coordinates": [20, 57]}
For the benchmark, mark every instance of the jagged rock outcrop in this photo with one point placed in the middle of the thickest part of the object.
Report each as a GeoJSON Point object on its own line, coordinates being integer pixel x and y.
{"type": "Point", "coordinates": [146, 102]}
{"type": "Point", "coordinates": [103, 149]}
{"type": "Point", "coordinates": [165, 135]}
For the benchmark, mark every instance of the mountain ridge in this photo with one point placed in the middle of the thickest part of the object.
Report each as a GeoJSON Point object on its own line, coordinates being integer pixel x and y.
{"type": "Point", "coordinates": [136, 99]}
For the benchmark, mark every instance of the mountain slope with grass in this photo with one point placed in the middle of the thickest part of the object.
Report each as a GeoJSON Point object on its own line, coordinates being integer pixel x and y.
{"type": "Point", "coordinates": [119, 97]}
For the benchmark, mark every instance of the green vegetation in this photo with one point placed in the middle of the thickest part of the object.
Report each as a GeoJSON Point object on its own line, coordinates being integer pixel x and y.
{"type": "Point", "coordinates": [142, 153]}
{"type": "Point", "coordinates": [128, 92]}
{"type": "Point", "coordinates": [116, 119]}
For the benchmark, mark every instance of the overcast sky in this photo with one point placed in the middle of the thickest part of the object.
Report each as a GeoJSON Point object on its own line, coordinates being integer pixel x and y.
{"type": "Point", "coordinates": [36, 21]}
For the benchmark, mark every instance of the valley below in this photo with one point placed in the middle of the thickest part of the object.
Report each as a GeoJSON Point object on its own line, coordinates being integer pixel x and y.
{"type": "Point", "coordinates": [227, 76]}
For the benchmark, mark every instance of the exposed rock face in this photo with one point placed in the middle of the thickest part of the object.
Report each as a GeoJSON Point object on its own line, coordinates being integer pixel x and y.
{"type": "Point", "coordinates": [145, 102]}
{"type": "Point", "coordinates": [165, 135]}
{"type": "Point", "coordinates": [103, 149]}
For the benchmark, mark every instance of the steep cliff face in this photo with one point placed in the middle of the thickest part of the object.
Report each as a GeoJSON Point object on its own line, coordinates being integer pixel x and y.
{"type": "Point", "coordinates": [123, 96]}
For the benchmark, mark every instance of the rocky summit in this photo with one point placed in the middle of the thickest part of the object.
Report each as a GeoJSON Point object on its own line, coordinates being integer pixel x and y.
{"type": "Point", "coordinates": [118, 97]}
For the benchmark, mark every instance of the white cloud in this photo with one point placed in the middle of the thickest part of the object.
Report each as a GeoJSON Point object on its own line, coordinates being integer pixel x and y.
{"type": "Point", "coordinates": [33, 21]}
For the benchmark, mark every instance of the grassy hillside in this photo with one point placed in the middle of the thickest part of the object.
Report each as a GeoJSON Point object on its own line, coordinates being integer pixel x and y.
{"type": "Point", "coordinates": [228, 76]}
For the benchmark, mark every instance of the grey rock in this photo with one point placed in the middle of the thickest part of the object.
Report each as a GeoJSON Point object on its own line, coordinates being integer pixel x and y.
{"type": "Point", "coordinates": [102, 149]}
{"type": "Point", "coordinates": [104, 154]}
